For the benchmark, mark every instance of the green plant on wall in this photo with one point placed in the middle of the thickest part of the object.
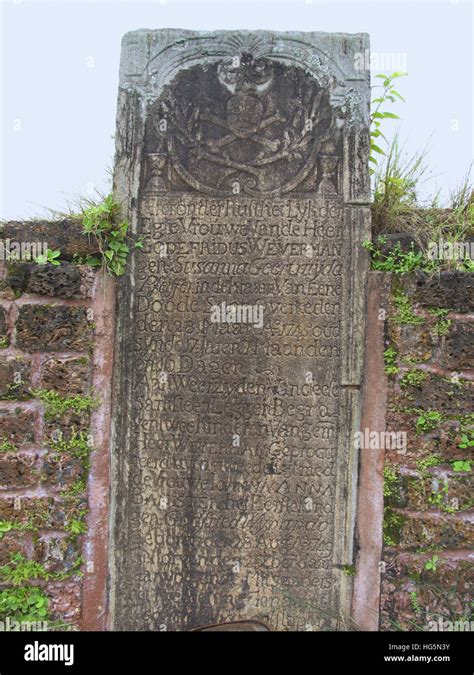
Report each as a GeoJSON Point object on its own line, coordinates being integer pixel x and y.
{"type": "Point", "coordinates": [24, 603]}
{"type": "Point", "coordinates": [76, 526]}
{"type": "Point", "coordinates": [349, 570]}
{"type": "Point", "coordinates": [392, 526]}
{"type": "Point", "coordinates": [48, 257]}
{"type": "Point", "coordinates": [428, 421]}
{"type": "Point", "coordinates": [415, 602]}
{"type": "Point", "coordinates": [20, 570]}
{"type": "Point", "coordinates": [5, 526]}
{"type": "Point", "coordinates": [432, 564]}
{"type": "Point", "coordinates": [467, 441]}
{"type": "Point", "coordinates": [104, 223]}
{"type": "Point", "coordinates": [466, 425]}
{"type": "Point", "coordinates": [442, 324]}
{"type": "Point", "coordinates": [79, 445]}
{"type": "Point", "coordinates": [56, 405]}
{"type": "Point", "coordinates": [390, 359]}
{"type": "Point", "coordinates": [439, 497]}
{"type": "Point", "coordinates": [395, 260]}
{"type": "Point", "coordinates": [7, 446]}
{"type": "Point", "coordinates": [461, 465]}
{"type": "Point", "coordinates": [76, 489]}
{"type": "Point", "coordinates": [413, 378]}
{"type": "Point", "coordinates": [426, 463]}
{"type": "Point", "coordinates": [390, 479]}
{"type": "Point", "coordinates": [405, 313]}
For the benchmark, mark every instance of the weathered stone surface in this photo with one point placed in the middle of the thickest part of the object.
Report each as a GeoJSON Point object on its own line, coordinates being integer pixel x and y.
{"type": "Point", "coordinates": [439, 394]}
{"type": "Point", "coordinates": [65, 235]}
{"type": "Point", "coordinates": [438, 490]}
{"type": "Point", "coordinates": [412, 596]}
{"type": "Point", "coordinates": [66, 426]}
{"type": "Point", "coordinates": [242, 162]}
{"type": "Point", "coordinates": [17, 426]}
{"type": "Point", "coordinates": [51, 328]}
{"type": "Point", "coordinates": [67, 376]}
{"type": "Point", "coordinates": [443, 531]}
{"type": "Point", "coordinates": [14, 377]}
{"type": "Point", "coordinates": [65, 601]}
{"type": "Point", "coordinates": [5, 290]}
{"type": "Point", "coordinates": [17, 471]}
{"type": "Point", "coordinates": [42, 513]}
{"type": "Point", "coordinates": [63, 281]}
{"type": "Point", "coordinates": [411, 341]}
{"type": "Point", "coordinates": [24, 510]}
{"type": "Point", "coordinates": [443, 440]}
{"type": "Point", "coordinates": [13, 542]}
{"type": "Point", "coordinates": [458, 351]}
{"type": "Point", "coordinates": [3, 329]}
{"type": "Point", "coordinates": [404, 241]}
{"type": "Point", "coordinates": [447, 290]}
{"type": "Point", "coordinates": [61, 471]}
{"type": "Point", "coordinates": [57, 554]}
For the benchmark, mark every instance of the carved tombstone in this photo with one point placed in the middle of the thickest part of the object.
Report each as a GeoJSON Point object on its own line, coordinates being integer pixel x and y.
{"type": "Point", "coordinates": [242, 165]}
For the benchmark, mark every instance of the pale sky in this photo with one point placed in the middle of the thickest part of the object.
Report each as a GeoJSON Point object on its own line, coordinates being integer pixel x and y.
{"type": "Point", "coordinates": [59, 65]}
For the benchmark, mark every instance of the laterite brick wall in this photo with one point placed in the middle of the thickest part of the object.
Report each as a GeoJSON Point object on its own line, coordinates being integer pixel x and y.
{"type": "Point", "coordinates": [428, 505]}
{"type": "Point", "coordinates": [56, 335]}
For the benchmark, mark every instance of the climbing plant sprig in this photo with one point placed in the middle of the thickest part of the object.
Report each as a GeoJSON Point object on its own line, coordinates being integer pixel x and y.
{"type": "Point", "coordinates": [388, 95]}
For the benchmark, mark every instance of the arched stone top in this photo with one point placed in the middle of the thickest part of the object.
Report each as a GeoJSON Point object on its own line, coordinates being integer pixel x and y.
{"type": "Point", "coordinates": [152, 59]}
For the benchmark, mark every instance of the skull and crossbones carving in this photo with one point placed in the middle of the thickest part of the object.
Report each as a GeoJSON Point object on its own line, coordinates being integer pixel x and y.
{"type": "Point", "coordinates": [246, 79]}
{"type": "Point", "coordinates": [248, 122]}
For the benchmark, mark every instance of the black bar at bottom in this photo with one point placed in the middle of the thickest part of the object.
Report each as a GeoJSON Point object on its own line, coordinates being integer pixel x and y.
{"type": "Point", "coordinates": [109, 652]}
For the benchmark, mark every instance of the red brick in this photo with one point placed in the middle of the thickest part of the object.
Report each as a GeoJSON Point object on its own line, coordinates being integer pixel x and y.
{"type": "Point", "coordinates": [58, 554]}
{"type": "Point", "coordinates": [444, 592]}
{"type": "Point", "coordinates": [52, 328]}
{"type": "Point", "coordinates": [14, 378]}
{"type": "Point", "coordinates": [18, 471]}
{"type": "Point", "coordinates": [67, 376]}
{"type": "Point", "coordinates": [16, 426]}
{"type": "Point", "coordinates": [60, 470]}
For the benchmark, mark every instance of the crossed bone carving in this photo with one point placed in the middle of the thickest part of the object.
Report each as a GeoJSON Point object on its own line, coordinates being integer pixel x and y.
{"type": "Point", "coordinates": [252, 133]}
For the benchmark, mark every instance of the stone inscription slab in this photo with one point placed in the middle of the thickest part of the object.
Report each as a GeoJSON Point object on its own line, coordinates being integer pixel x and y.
{"type": "Point", "coordinates": [241, 162]}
